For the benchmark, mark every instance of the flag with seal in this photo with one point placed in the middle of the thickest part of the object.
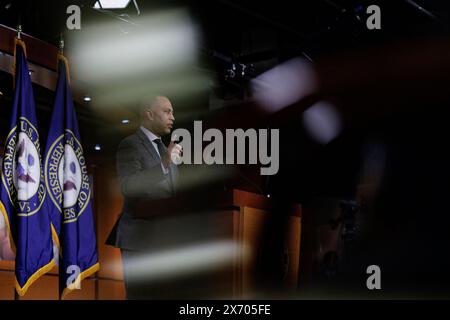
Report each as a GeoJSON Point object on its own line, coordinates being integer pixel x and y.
{"type": "Point", "coordinates": [22, 190]}
{"type": "Point", "coordinates": [69, 189]}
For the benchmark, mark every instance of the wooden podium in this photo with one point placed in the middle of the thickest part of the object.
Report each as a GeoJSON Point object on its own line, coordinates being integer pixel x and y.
{"type": "Point", "coordinates": [226, 230]}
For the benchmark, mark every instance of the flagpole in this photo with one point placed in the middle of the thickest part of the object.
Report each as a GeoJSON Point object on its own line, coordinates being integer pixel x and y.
{"type": "Point", "coordinates": [19, 31]}
{"type": "Point", "coordinates": [60, 269]}
{"type": "Point", "coordinates": [61, 44]}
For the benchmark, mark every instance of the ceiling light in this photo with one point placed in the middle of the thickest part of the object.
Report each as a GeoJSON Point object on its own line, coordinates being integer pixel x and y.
{"type": "Point", "coordinates": [111, 4]}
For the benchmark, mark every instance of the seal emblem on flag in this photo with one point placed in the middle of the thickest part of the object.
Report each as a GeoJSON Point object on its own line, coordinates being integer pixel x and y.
{"type": "Point", "coordinates": [66, 176]}
{"type": "Point", "coordinates": [22, 176]}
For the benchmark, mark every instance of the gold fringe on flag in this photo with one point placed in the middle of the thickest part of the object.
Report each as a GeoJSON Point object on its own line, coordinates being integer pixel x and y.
{"type": "Point", "coordinates": [24, 47]}
{"type": "Point", "coordinates": [66, 62]}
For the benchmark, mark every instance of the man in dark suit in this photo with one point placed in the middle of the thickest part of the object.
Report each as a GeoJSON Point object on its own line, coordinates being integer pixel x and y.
{"type": "Point", "coordinates": [146, 171]}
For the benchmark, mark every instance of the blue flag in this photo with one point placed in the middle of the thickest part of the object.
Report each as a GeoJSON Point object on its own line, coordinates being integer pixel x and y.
{"type": "Point", "coordinates": [22, 191]}
{"type": "Point", "coordinates": [68, 188]}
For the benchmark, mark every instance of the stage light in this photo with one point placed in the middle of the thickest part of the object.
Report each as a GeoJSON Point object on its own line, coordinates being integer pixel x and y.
{"type": "Point", "coordinates": [97, 147]}
{"type": "Point", "coordinates": [284, 85]}
{"type": "Point", "coordinates": [111, 4]}
{"type": "Point", "coordinates": [87, 98]}
{"type": "Point", "coordinates": [322, 121]}
{"type": "Point", "coordinates": [125, 121]}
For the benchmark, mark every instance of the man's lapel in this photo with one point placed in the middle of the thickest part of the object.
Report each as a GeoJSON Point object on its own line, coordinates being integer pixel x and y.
{"type": "Point", "coordinates": [148, 145]}
{"type": "Point", "coordinates": [151, 149]}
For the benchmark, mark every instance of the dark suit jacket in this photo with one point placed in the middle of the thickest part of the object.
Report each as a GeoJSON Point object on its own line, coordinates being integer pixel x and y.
{"type": "Point", "coordinates": [140, 177]}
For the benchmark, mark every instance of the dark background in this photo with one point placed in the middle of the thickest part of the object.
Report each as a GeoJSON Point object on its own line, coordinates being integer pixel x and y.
{"type": "Point", "coordinates": [404, 226]}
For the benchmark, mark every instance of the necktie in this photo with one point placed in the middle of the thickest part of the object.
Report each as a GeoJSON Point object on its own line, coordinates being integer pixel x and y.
{"type": "Point", "coordinates": [161, 147]}
{"type": "Point", "coordinates": [162, 151]}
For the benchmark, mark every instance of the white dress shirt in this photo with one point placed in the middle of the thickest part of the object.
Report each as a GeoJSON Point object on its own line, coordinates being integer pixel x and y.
{"type": "Point", "coordinates": [151, 136]}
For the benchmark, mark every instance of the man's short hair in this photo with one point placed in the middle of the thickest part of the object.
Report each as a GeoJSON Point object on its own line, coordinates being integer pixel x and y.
{"type": "Point", "coordinates": [148, 102]}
